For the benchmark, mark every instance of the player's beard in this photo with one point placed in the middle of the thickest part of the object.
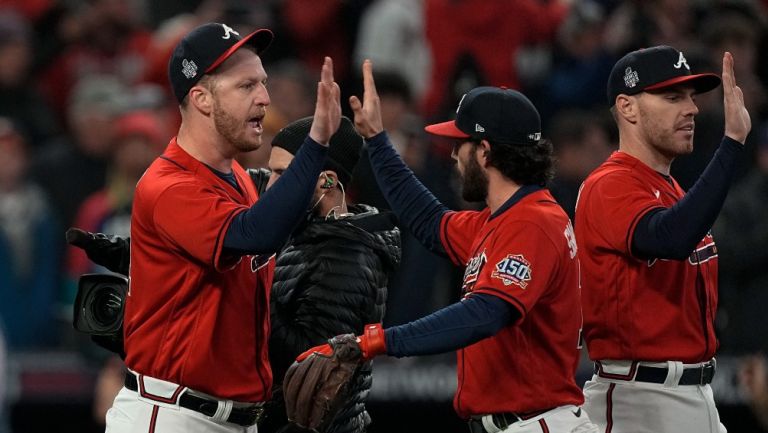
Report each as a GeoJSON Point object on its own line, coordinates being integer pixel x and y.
{"type": "Point", "coordinates": [663, 138]}
{"type": "Point", "coordinates": [233, 129]}
{"type": "Point", "coordinates": [474, 182]}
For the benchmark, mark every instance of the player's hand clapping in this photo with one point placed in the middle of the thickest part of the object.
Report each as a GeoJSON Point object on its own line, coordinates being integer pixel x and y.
{"type": "Point", "coordinates": [368, 113]}
{"type": "Point", "coordinates": [327, 116]}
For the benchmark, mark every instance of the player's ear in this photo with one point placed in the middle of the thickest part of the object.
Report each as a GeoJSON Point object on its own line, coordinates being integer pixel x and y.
{"type": "Point", "coordinates": [483, 149]}
{"type": "Point", "coordinates": [328, 180]}
{"type": "Point", "coordinates": [201, 98]}
{"type": "Point", "coordinates": [626, 108]}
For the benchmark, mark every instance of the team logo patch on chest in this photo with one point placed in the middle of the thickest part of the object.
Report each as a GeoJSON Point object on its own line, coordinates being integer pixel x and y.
{"type": "Point", "coordinates": [513, 269]}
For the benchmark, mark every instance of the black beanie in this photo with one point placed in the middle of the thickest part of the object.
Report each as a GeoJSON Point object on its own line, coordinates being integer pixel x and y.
{"type": "Point", "coordinates": [344, 150]}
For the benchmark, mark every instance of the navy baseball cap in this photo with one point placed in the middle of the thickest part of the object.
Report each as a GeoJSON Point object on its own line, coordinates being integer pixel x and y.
{"type": "Point", "coordinates": [496, 114]}
{"type": "Point", "coordinates": [655, 68]}
{"type": "Point", "coordinates": [205, 48]}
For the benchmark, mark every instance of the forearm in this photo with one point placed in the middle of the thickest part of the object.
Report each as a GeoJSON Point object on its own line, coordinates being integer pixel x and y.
{"type": "Point", "coordinates": [451, 328]}
{"type": "Point", "coordinates": [673, 233]}
{"type": "Point", "coordinates": [266, 226]}
{"type": "Point", "coordinates": [412, 202]}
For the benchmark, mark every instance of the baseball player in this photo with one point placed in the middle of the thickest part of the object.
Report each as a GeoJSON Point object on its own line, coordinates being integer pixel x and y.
{"type": "Point", "coordinates": [648, 261]}
{"type": "Point", "coordinates": [196, 317]}
{"type": "Point", "coordinates": [516, 328]}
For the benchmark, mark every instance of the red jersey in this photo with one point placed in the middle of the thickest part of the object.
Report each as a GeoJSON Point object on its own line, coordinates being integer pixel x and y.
{"type": "Point", "coordinates": [637, 309]}
{"type": "Point", "coordinates": [526, 255]}
{"type": "Point", "coordinates": [195, 316]}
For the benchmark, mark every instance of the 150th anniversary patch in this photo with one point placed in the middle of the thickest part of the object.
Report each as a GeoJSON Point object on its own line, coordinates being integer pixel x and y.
{"type": "Point", "coordinates": [513, 269]}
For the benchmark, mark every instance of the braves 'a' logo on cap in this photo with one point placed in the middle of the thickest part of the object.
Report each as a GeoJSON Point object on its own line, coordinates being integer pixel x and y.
{"type": "Point", "coordinates": [513, 269]}
{"type": "Point", "coordinates": [681, 61]}
{"type": "Point", "coordinates": [631, 78]}
{"type": "Point", "coordinates": [228, 32]}
{"type": "Point", "coordinates": [188, 68]}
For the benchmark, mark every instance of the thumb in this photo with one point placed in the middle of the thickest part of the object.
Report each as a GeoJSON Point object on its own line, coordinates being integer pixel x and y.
{"type": "Point", "coordinates": [77, 237]}
{"type": "Point", "coordinates": [357, 107]}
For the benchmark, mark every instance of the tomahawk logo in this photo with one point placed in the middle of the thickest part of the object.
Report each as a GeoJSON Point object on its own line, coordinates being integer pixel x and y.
{"type": "Point", "coordinates": [473, 270]}
{"type": "Point", "coordinates": [681, 61]}
{"type": "Point", "coordinates": [228, 32]}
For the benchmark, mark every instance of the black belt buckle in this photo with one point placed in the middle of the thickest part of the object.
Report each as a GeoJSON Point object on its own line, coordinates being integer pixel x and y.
{"type": "Point", "coordinates": [708, 371]}
{"type": "Point", "coordinates": [246, 416]}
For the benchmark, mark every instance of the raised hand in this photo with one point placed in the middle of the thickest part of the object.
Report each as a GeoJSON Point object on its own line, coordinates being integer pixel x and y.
{"type": "Point", "coordinates": [737, 120]}
{"type": "Point", "coordinates": [327, 116]}
{"type": "Point", "coordinates": [368, 113]}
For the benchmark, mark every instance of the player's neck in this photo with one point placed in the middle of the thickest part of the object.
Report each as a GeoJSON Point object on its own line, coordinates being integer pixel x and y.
{"type": "Point", "coordinates": [204, 148]}
{"type": "Point", "coordinates": [645, 152]}
{"type": "Point", "coordinates": [500, 189]}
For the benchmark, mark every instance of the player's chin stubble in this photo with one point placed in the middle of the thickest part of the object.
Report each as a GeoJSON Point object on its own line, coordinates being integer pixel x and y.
{"type": "Point", "coordinates": [233, 130]}
{"type": "Point", "coordinates": [474, 185]}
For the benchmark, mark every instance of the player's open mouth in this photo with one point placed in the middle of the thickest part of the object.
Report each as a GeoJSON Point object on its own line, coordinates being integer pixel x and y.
{"type": "Point", "coordinates": [255, 123]}
{"type": "Point", "coordinates": [687, 128]}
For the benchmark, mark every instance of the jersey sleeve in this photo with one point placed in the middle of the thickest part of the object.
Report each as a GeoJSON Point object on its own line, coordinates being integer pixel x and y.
{"type": "Point", "coordinates": [195, 219]}
{"type": "Point", "coordinates": [457, 232]}
{"type": "Point", "coordinates": [614, 206]}
{"type": "Point", "coordinates": [519, 265]}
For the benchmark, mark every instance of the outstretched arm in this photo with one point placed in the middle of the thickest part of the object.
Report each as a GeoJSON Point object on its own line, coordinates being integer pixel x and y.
{"type": "Point", "coordinates": [266, 226]}
{"type": "Point", "coordinates": [411, 201]}
{"type": "Point", "coordinates": [673, 233]}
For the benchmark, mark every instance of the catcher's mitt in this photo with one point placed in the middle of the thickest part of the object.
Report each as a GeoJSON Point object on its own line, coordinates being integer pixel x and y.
{"type": "Point", "coordinates": [314, 389]}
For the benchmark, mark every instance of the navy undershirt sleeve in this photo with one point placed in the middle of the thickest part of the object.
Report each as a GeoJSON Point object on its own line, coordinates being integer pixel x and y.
{"type": "Point", "coordinates": [458, 325]}
{"type": "Point", "coordinates": [412, 202]}
{"type": "Point", "coordinates": [266, 226]}
{"type": "Point", "coordinates": [673, 233]}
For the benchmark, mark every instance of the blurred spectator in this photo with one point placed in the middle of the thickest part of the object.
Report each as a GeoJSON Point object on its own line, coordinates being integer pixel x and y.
{"type": "Point", "coordinates": [18, 98]}
{"type": "Point", "coordinates": [28, 256]}
{"type": "Point", "coordinates": [392, 36]}
{"type": "Point", "coordinates": [738, 32]}
{"type": "Point", "coordinates": [112, 42]}
{"type": "Point", "coordinates": [4, 406]}
{"type": "Point", "coordinates": [72, 168]}
{"type": "Point", "coordinates": [582, 63]}
{"type": "Point", "coordinates": [582, 140]}
{"type": "Point", "coordinates": [742, 241]}
{"type": "Point", "coordinates": [477, 42]}
{"type": "Point", "coordinates": [324, 28]}
{"type": "Point", "coordinates": [636, 24]}
{"type": "Point", "coordinates": [139, 139]}
{"type": "Point", "coordinates": [754, 381]}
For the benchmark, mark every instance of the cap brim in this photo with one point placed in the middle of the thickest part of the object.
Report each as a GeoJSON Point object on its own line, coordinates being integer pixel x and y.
{"type": "Point", "coordinates": [446, 129]}
{"type": "Point", "coordinates": [701, 82]}
{"type": "Point", "coordinates": [260, 40]}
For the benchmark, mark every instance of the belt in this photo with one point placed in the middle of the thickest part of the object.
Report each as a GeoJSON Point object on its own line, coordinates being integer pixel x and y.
{"type": "Point", "coordinates": [701, 375]}
{"type": "Point", "coordinates": [245, 417]}
{"type": "Point", "coordinates": [503, 420]}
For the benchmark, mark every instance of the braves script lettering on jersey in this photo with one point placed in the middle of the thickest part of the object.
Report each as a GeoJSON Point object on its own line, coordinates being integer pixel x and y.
{"type": "Point", "coordinates": [523, 254]}
{"type": "Point", "coordinates": [638, 309]}
{"type": "Point", "coordinates": [184, 315]}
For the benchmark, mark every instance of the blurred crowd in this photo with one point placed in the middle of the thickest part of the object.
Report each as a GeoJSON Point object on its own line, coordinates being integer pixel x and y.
{"type": "Point", "coordinates": [85, 107]}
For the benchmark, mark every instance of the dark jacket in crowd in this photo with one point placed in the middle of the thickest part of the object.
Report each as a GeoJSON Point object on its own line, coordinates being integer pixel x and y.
{"type": "Point", "coordinates": [330, 279]}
